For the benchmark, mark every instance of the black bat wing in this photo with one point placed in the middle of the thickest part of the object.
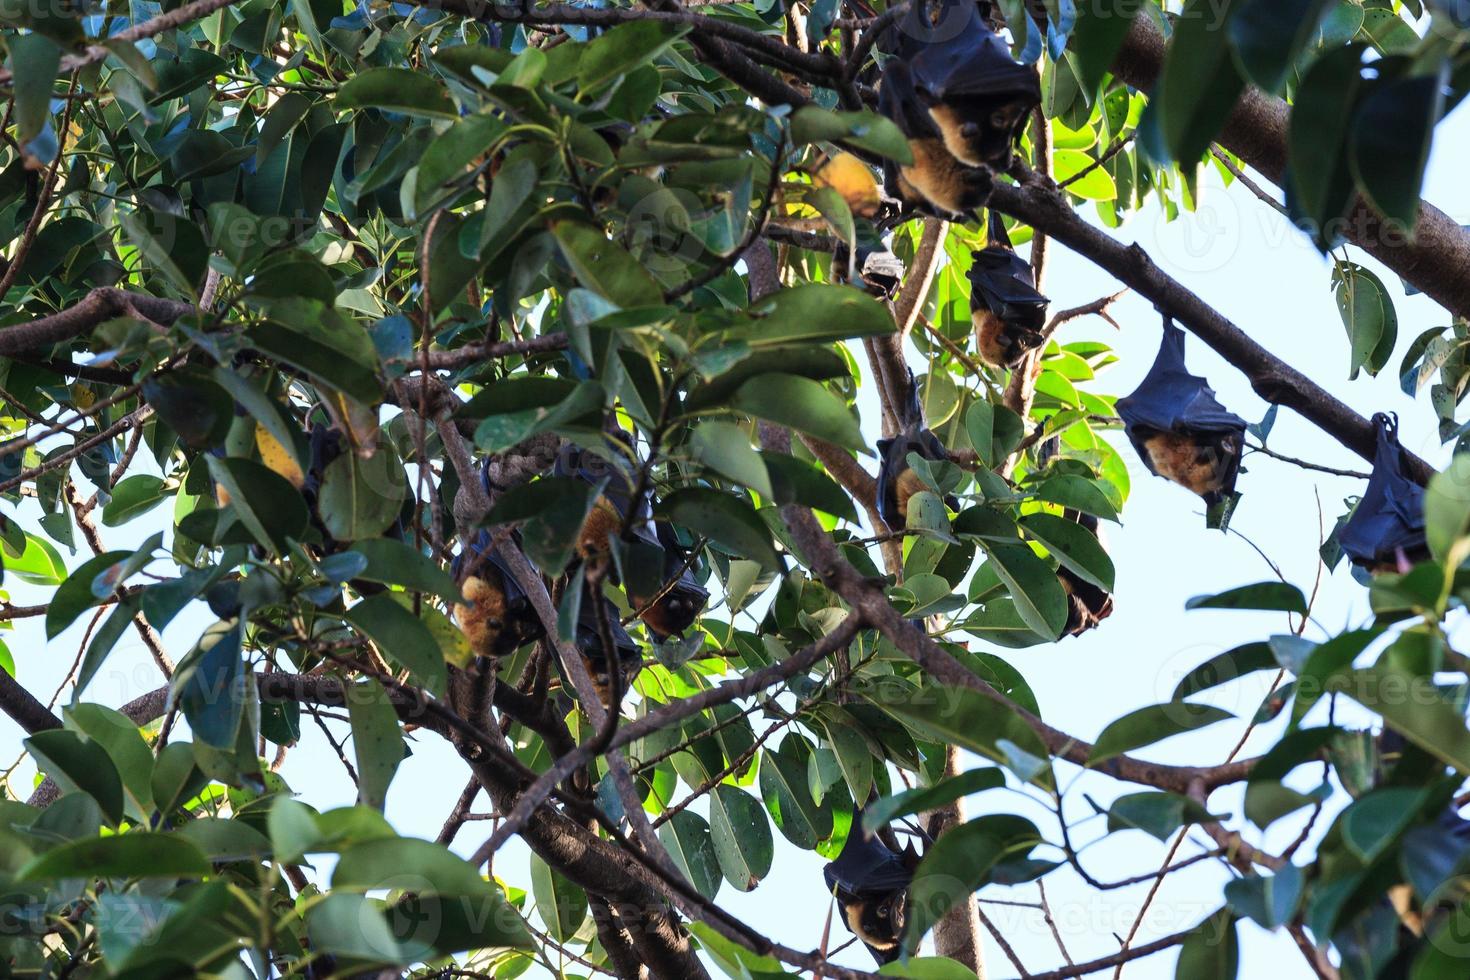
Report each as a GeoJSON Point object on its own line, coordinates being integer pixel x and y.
{"type": "Point", "coordinates": [954, 53]}
{"type": "Point", "coordinates": [894, 454]}
{"type": "Point", "coordinates": [589, 633]}
{"type": "Point", "coordinates": [1002, 282]}
{"type": "Point", "coordinates": [1390, 515]}
{"type": "Point", "coordinates": [898, 100]}
{"type": "Point", "coordinates": [866, 867]}
{"type": "Point", "coordinates": [1170, 399]}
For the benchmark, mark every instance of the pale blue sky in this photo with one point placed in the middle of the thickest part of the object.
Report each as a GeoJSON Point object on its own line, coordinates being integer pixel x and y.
{"type": "Point", "coordinates": [1243, 258]}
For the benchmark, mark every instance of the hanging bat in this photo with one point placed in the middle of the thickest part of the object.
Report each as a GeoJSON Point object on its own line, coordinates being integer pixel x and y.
{"type": "Point", "coordinates": [498, 617]}
{"type": "Point", "coordinates": [1180, 429]}
{"type": "Point", "coordinates": [676, 608]}
{"type": "Point", "coordinates": [964, 78]}
{"type": "Point", "coordinates": [870, 881]}
{"type": "Point", "coordinates": [1007, 311]}
{"type": "Point", "coordinates": [1386, 530]}
{"type": "Point", "coordinates": [935, 183]}
{"type": "Point", "coordinates": [897, 481]}
{"type": "Point", "coordinates": [590, 646]}
{"type": "Point", "coordinates": [1087, 605]}
{"type": "Point", "coordinates": [605, 519]}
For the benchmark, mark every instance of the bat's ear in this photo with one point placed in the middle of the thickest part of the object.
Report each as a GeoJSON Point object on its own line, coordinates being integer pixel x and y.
{"type": "Point", "coordinates": [927, 97]}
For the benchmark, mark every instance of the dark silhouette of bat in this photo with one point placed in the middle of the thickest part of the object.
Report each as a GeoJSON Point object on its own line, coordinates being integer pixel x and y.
{"type": "Point", "coordinates": [594, 652]}
{"type": "Point", "coordinates": [897, 481]}
{"type": "Point", "coordinates": [870, 881]}
{"type": "Point", "coordinates": [875, 269]}
{"type": "Point", "coordinates": [498, 617]}
{"type": "Point", "coordinates": [1007, 311]}
{"type": "Point", "coordinates": [676, 608]}
{"type": "Point", "coordinates": [959, 97]}
{"type": "Point", "coordinates": [1180, 429]}
{"type": "Point", "coordinates": [1386, 530]}
{"type": "Point", "coordinates": [1087, 605]}
{"type": "Point", "coordinates": [605, 520]}
{"type": "Point", "coordinates": [964, 78]}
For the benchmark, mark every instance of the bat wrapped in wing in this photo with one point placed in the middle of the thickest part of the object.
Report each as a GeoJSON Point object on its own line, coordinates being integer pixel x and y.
{"type": "Point", "coordinates": [871, 882]}
{"type": "Point", "coordinates": [1179, 427]}
{"type": "Point", "coordinates": [964, 78]}
{"type": "Point", "coordinates": [682, 598]}
{"type": "Point", "coordinates": [897, 481]}
{"type": "Point", "coordinates": [1386, 529]}
{"type": "Point", "coordinates": [1007, 311]}
{"type": "Point", "coordinates": [605, 520]}
{"type": "Point", "coordinates": [1087, 604]}
{"type": "Point", "coordinates": [935, 182]}
{"type": "Point", "coordinates": [588, 640]}
{"type": "Point", "coordinates": [497, 616]}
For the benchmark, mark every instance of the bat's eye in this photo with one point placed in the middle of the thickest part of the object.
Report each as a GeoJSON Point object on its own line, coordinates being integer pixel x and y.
{"type": "Point", "coordinates": [1001, 118]}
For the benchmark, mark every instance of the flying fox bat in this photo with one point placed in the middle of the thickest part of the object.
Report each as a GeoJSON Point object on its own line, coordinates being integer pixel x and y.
{"type": "Point", "coordinates": [1386, 529]}
{"type": "Point", "coordinates": [897, 481]}
{"type": "Point", "coordinates": [605, 520]}
{"type": "Point", "coordinates": [964, 79]}
{"type": "Point", "coordinates": [1087, 605]}
{"type": "Point", "coordinates": [935, 183]}
{"type": "Point", "coordinates": [1180, 429]}
{"type": "Point", "coordinates": [870, 881]}
{"type": "Point", "coordinates": [498, 617]}
{"type": "Point", "coordinates": [676, 608]}
{"type": "Point", "coordinates": [1007, 310]}
{"type": "Point", "coordinates": [594, 652]}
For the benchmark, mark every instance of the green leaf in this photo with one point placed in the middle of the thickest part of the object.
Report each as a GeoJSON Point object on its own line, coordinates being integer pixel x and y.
{"type": "Point", "coordinates": [321, 341]}
{"type": "Point", "coordinates": [133, 497]}
{"type": "Point", "coordinates": [399, 563]}
{"type": "Point", "coordinates": [39, 564]}
{"type": "Point", "coordinates": [361, 498]}
{"type": "Point", "coordinates": [130, 754]}
{"type": "Point", "coordinates": [958, 863]}
{"type": "Point", "coordinates": [352, 927]}
{"type": "Point", "coordinates": [1199, 82]}
{"type": "Point", "coordinates": [884, 811]}
{"type": "Point", "coordinates": [1320, 183]}
{"type": "Point", "coordinates": [266, 502]}
{"type": "Point", "coordinates": [742, 836]}
{"type": "Point", "coordinates": [859, 130]}
{"type": "Point", "coordinates": [1076, 493]}
{"type": "Point", "coordinates": [802, 404]}
{"type": "Point", "coordinates": [784, 786]}
{"type": "Point", "coordinates": [624, 48]}
{"type": "Point", "coordinates": [1263, 595]}
{"type": "Point", "coordinates": [76, 595]}
{"type": "Point", "coordinates": [1374, 822]}
{"type": "Point", "coordinates": [1154, 723]}
{"type": "Point", "coordinates": [795, 481]}
{"type": "Point", "coordinates": [1224, 668]}
{"type": "Point", "coordinates": [79, 764]}
{"type": "Point", "coordinates": [1368, 314]}
{"type": "Point", "coordinates": [403, 638]}
{"type": "Point", "coordinates": [404, 862]}
{"type": "Point", "coordinates": [377, 741]}
{"type": "Point", "coordinates": [137, 854]}
{"type": "Point", "coordinates": [984, 724]}
{"type": "Point", "coordinates": [34, 61]}
{"type": "Point", "coordinates": [1446, 508]}
{"type": "Point", "coordinates": [604, 266]}
{"type": "Point", "coordinates": [686, 835]}
{"type": "Point", "coordinates": [1077, 548]}
{"type": "Point", "coordinates": [928, 968]}
{"type": "Point", "coordinates": [725, 519]}
{"type": "Point", "coordinates": [1097, 36]}
{"type": "Point", "coordinates": [293, 829]}
{"type": "Point", "coordinates": [397, 90]}
{"type": "Point", "coordinates": [561, 904]}
{"type": "Point", "coordinates": [814, 313]}
{"type": "Point", "coordinates": [725, 448]}
{"type": "Point", "coordinates": [1269, 35]}
{"type": "Point", "coordinates": [1033, 587]}
{"type": "Point", "coordinates": [1095, 184]}
{"type": "Point", "coordinates": [210, 686]}
{"type": "Point", "coordinates": [1156, 813]}
{"type": "Point", "coordinates": [1392, 131]}
{"type": "Point", "coordinates": [1211, 951]}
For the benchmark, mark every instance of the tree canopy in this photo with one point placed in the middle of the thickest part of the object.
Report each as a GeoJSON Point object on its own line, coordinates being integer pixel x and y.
{"type": "Point", "coordinates": [616, 397]}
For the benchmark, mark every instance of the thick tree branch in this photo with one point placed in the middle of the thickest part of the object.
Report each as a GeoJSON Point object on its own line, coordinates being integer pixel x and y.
{"type": "Point", "coordinates": [1434, 258]}
{"type": "Point", "coordinates": [101, 304]}
{"type": "Point", "coordinates": [1272, 378]}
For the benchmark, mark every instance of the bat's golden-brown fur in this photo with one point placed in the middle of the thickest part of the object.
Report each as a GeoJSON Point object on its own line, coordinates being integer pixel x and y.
{"type": "Point", "coordinates": [601, 524]}
{"type": "Point", "coordinates": [1199, 468]}
{"type": "Point", "coordinates": [483, 618]}
{"type": "Point", "coordinates": [978, 132]}
{"type": "Point", "coordinates": [937, 177]}
{"type": "Point", "coordinates": [907, 484]}
{"type": "Point", "coordinates": [997, 344]}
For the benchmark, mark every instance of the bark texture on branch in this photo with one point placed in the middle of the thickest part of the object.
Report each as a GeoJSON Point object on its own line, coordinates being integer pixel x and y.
{"type": "Point", "coordinates": [1437, 257]}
